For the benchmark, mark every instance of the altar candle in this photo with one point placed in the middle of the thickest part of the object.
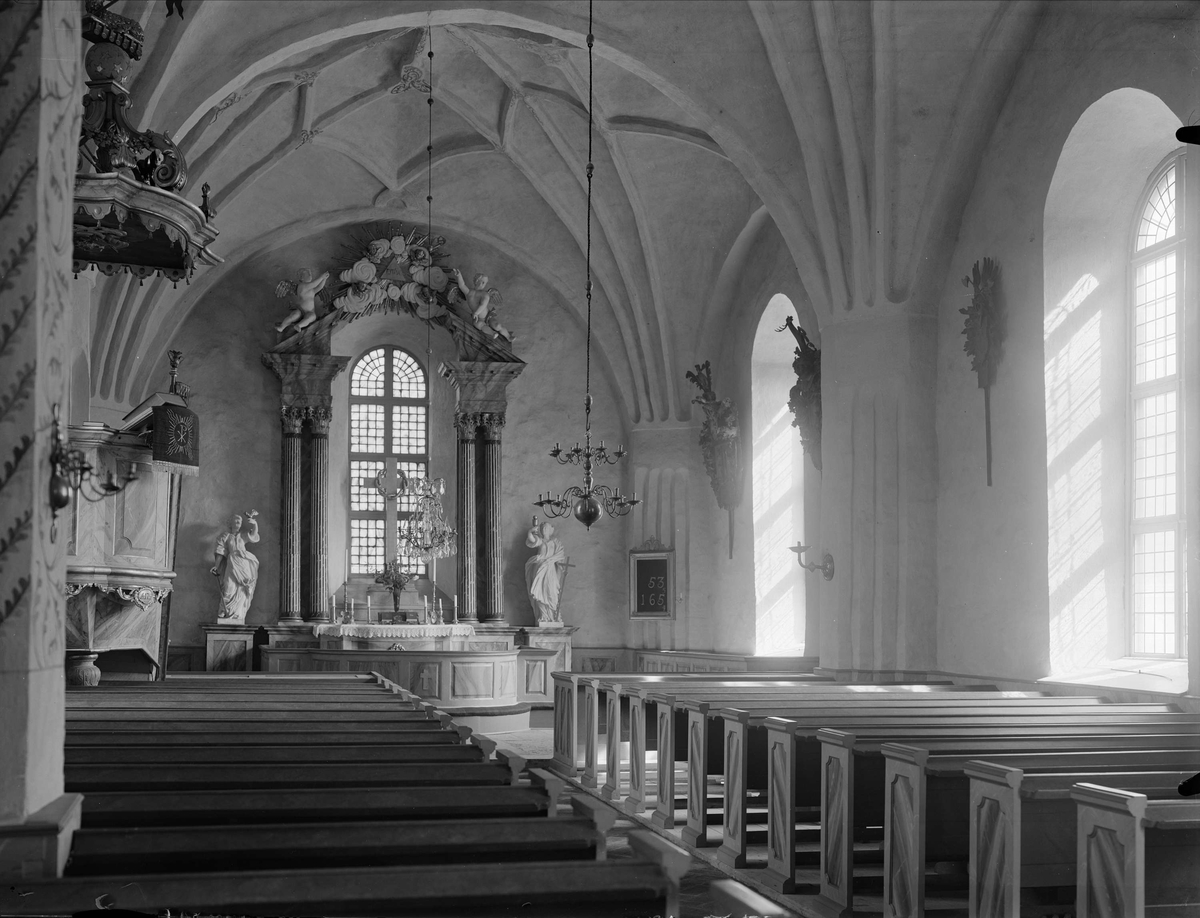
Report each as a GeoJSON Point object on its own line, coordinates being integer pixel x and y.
{"type": "Point", "coordinates": [352, 610]}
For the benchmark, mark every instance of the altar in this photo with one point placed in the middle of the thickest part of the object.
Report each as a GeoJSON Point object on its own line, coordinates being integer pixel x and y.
{"type": "Point", "coordinates": [364, 636]}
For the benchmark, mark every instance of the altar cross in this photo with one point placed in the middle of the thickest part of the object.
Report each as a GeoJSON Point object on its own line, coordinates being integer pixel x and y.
{"type": "Point", "coordinates": [391, 484]}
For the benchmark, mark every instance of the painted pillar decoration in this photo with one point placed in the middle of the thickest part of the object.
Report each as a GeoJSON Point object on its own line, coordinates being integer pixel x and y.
{"type": "Point", "coordinates": [467, 425]}
{"type": "Point", "coordinates": [40, 90]}
{"type": "Point", "coordinates": [720, 441]}
{"type": "Point", "coordinates": [492, 422]}
{"type": "Point", "coordinates": [804, 399]}
{"type": "Point", "coordinates": [307, 377]}
{"type": "Point", "coordinates": [984, 331]}
{"type": "Point", "coordinates": [292, 421]}
{"type": "Point", "coordinates": [481, 390]}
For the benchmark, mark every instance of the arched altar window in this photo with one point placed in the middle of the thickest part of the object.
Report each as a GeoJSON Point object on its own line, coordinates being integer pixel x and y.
{"type": "Point", "coordinates": [1155, 413]}
{"type": "Point", "coordinates": [389, 433]}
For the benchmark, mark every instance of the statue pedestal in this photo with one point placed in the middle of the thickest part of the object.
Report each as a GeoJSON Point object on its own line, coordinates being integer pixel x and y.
{"type": "Point", "coordinates": [359, 636]}
{"type": "Point", "coordinates": [229, 647]}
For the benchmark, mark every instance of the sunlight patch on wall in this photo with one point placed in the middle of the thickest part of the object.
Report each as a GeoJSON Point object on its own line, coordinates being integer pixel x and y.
{"type": "Point", "coordinates": [1079, 630]}
{"type": "Point", "coordinates": [1073, 388]}
{"type": "Point", "coordinates": [1068, 304]}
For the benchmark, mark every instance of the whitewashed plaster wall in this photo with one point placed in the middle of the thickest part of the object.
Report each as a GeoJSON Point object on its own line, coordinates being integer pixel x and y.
{"type": "Point", "coordinates": [993, 606]}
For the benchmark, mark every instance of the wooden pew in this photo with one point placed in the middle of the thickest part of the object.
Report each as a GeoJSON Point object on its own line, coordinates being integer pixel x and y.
{"type": "Point", "coordinates": [567, 714]}
{"type": "Point", "coordinates": [843, 776]}
{"type": "Point", "coordinates": [343, 844]}
{"type": "Point", "coordinates": [169, 827]}
{"type": "Point", "coordinates": [715, 690]}
{"type": "Point", "coordinates": [88, 779]}
{"type": "Point", "coordinates": [1135, 856]}
{"type": "Point", "coordinates": [830, 711]}
{"type": "Point", "coordinates": [452, 750]}
{"type": "Point", "coordinates": [646, 884]}
{"type": "Point", "coordinates": [1022, 800]}
{"type": "Point", "coordinates": [667, 730]}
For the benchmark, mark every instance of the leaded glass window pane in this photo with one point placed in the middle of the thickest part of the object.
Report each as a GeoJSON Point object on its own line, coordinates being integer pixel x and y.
{"type": "Point", "coordinates": [363, 494]}
{"type": "Point", "coordinates": [1155, 441]}
{"type": "Point", "coordinates": [1154, 592]}
{"type": "Point", "coordinates": [367, 379]}
{"type": "Point", "coordinates": [1154, 319]}
{"type": "Point", "coordinates": [1158, 218]}
{"type": "Point", "coordinates": [366, 546]}
{"type": "Point", "coordinates": [408, 429]}
{"type": "Point", "coordinates": [408, 379]}
{"type": "Point", "coordinates": [366, 428]}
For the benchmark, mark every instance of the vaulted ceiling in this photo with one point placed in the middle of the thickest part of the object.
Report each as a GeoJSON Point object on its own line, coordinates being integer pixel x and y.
{"type": "Point", "coordinates": [852, 130]}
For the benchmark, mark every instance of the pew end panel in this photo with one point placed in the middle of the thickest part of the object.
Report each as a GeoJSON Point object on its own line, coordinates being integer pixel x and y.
{"type": "Point", "coordinates": [611, 788]}
{"type": "Point", "coordinates": [732, 852]}
{"type": "Point", "coordinates": [1136, 856]}
{"type": "Point", "coordinates": [904, 829]}
{"type": "Point", "coordinates": [671, 859]}
{"type": "Point", "coordinates": [780, 873]}
{"type": "Point", "coordinates": [1110, 851]}
{"type": "Point", "coordinates": [566, 724]}
{"type": "Point", "coordinates": [664, 716]}
{"type": "Point", "coordinates": [513, 762]}
{"type": "Point", "coordinates": [591, 734]}
{"type": "Point", "coordinates": [552, 785]}
{"type": "Point", "coordinates": [837, 812]}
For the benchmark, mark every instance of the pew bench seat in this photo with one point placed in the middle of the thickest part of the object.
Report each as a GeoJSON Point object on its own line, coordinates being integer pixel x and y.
{"type": "Point", "coordinates": [207, 849]}
{"type": "Point", "coordinates": [584, 889]}
{"type": "Point", "coordinates": [450, 750]}
{"type": "Point", "coordinates": [87, 779]}
{"type": "Point", "coordinates": [247, 807]}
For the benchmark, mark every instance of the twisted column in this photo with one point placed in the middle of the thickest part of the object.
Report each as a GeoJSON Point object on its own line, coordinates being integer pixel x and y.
{"type": "Point", "coordinates": [318, 551]}
{"type": "Point", "coordinates": [292, 419]}
{"type": "Point", "coordinates": [467, 423]}
{"type": "Point", "coordinates": [493, 571]}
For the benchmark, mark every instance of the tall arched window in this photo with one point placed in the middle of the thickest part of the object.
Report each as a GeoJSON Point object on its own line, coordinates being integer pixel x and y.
{"type": "Point", "coordinates": [389, 433]}
{"type": "Point", "coordinates": [1156, 412]}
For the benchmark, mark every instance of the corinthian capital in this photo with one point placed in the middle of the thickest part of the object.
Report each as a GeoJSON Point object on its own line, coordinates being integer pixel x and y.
{"type": "Point", "coordinates": [466, 422]}
{"type": "Point", "coordinates": [320, 418]}
{"type": "Point", "coordinates": [292, 419]}
{"type": "Point", "coordinates": [491, 421]}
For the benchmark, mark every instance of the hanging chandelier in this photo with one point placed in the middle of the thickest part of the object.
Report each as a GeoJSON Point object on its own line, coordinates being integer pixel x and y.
{"type": "Point", "coordinates": [591, 501]}
{"type": "Point", "coordinates": [425, 536]}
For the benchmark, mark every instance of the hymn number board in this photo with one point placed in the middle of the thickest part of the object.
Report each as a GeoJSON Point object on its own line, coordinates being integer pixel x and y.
{"type": "Point", "coordinates": [652, 581]}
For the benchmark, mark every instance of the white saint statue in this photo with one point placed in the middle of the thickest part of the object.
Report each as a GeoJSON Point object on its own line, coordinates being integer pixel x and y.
{"type": "Point", "coordinates": [544, 572]}
{"type": "Point", "coordinates": [236, 569]}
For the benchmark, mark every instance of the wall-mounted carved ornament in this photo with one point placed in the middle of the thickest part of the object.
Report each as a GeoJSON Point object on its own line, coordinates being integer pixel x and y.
{"type": "Point", "coordinates": [984, 331]}
{"type": "Point", "coordinates": [804, 399]}
{"type": "Point", "coordinates": [720, 442]}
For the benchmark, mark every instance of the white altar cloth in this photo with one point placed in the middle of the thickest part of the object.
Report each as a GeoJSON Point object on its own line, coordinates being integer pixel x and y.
{"type": "Point", "coordinates": [412, 632]}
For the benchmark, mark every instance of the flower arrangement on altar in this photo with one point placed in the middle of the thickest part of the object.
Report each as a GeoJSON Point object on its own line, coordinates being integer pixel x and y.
{"type": "Point", "coordinates": [394, 579]}
{"type": "Point", "coordinates": [396, 270]}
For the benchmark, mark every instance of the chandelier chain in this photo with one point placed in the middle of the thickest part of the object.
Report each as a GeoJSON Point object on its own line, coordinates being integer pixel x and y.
{"type": "Point", "coordinates": [587, 372]}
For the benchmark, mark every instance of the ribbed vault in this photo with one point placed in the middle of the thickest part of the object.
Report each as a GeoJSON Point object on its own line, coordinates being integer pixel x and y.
{"type": "Point", "coordinates": [856, 128]}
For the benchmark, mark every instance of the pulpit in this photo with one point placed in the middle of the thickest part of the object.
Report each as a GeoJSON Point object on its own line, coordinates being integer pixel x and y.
{"type": "Point", "coordinates": [118, 562]}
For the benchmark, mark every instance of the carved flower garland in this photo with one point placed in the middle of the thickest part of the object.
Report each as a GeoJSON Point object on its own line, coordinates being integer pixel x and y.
{"type": "Point", "coordinates": [397, 271]}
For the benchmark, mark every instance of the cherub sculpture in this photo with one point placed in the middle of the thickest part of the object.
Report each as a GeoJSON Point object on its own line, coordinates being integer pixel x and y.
{"type": "Point", "coordinates": [482, 301]}
{"type": "Point", "coordinates": [305, 290]}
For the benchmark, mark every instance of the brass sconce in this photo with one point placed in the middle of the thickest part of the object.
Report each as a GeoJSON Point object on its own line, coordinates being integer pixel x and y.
{"type": "Point", "coordinates": [70, 472]}
{"type": "Point", "coordinates": [825, 567]}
